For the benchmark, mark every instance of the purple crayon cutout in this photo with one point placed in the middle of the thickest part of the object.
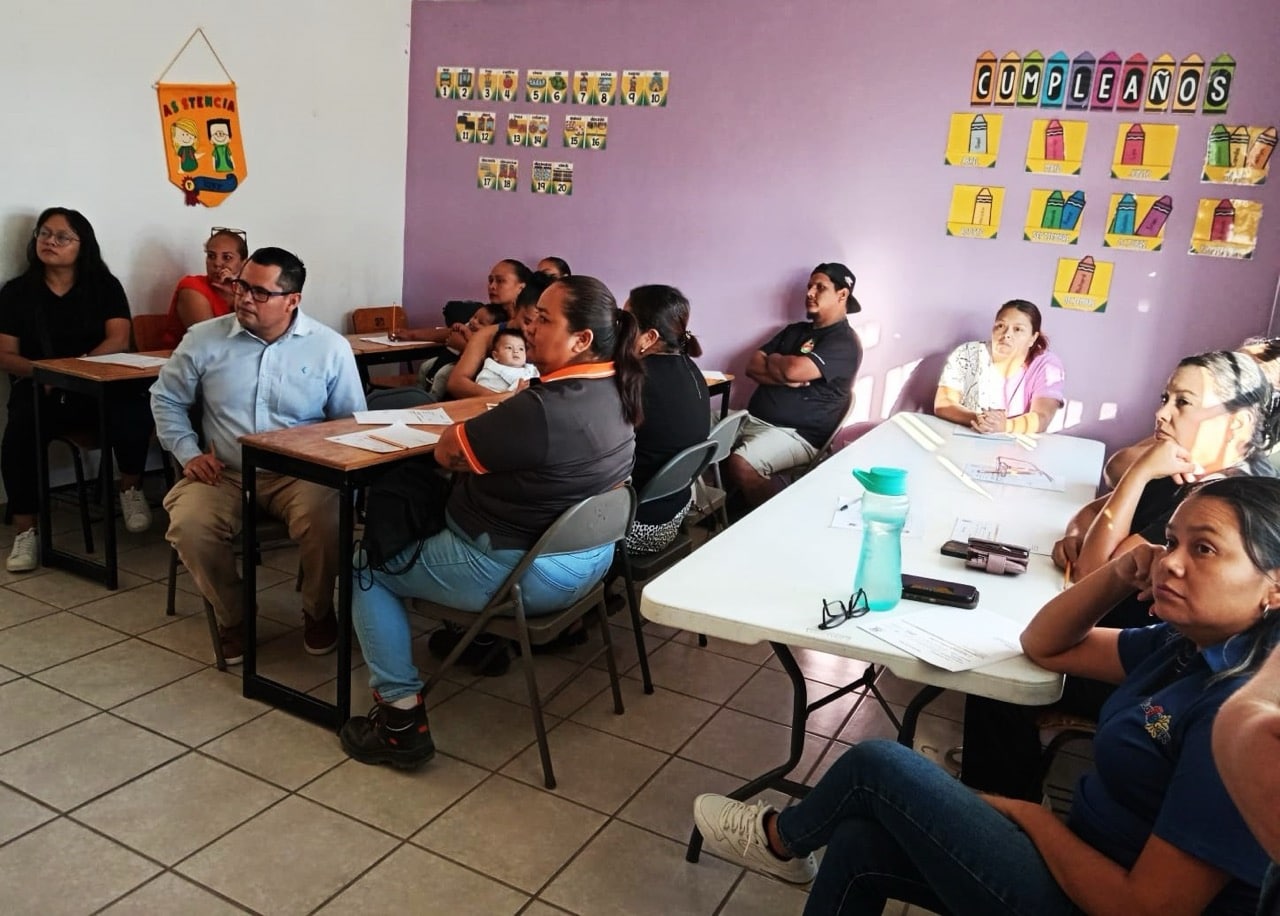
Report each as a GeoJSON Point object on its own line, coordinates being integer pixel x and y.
{"type": "Point", "coordinates": [1053, 144]}
{"type": "Point", "coordinates": [1080, 81]}
{"type": "Point", "coordinates": [1106, 82]}
{"type": "Point", "coordinates": [1133, 84]}
{"type": "Point", "coordinates": [1153, 222]}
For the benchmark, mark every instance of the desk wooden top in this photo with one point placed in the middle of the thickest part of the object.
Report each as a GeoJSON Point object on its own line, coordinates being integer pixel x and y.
{"type": "Point", "coordinates": [100, 372]}
{"type": "Point", "coordinates": [362, 347]}
{"type": "Point", "coordinates": [721, 378]}
{"type": "Point", "coordinates": [310, 442]}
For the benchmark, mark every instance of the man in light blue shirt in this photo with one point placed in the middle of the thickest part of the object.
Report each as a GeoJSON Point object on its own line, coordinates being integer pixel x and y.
{"type": "Point", "coordinates": [268, 366]}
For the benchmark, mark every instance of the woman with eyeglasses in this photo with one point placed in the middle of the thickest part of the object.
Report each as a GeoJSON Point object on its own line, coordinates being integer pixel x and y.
{"type": "Point", "coordinates": [1152, 828]}
{"type": "Point", "coordinates": [66, 303]}
{"type": "Point", "coordinates": [199, 297]}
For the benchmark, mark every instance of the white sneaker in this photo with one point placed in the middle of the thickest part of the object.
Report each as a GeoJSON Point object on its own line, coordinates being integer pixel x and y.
{"type": "Point", "coordinates": [134, 508]}
{"type": "Point", "coordinates": [24, 556]}
{"type": "Point", "coordinates": [735, 830]}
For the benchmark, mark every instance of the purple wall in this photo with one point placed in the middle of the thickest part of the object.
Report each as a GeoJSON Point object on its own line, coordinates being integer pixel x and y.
{"type": "Point", "coordinates": [804, 132]}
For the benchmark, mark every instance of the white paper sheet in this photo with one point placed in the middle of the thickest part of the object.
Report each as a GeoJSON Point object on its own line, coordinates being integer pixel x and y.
{"type": "Point", "coordinates": [972, 433]}
{"type": "Point", "coordinates": [388, 342]}
{"type": "Point", "coordinates": [1024, 474]}
{"type": "Point", "coordinates": [394, 438]}
{"type": "Point", "coordinates": [433, 416]}
{"type": "Point", "coordinates": [713, 376]}
{"type": "Point", "coordinates": [956, 639]}
{"type": "Point", "coordinates": [966, 528]}
{"type": "Point", "coordinates": [133, 360]}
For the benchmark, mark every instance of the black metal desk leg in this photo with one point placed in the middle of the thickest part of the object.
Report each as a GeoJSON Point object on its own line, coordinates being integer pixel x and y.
{"type": "Point", "coordinates": [44, 515]}
{"type": "Point", "coordinates": [907, 732]}
{"type": "Point", "coordinates": [346, 535]}
{"type": "Point", "coordinates": [775, 777]}
{"type": "Point", "coordinates": [249, 575]}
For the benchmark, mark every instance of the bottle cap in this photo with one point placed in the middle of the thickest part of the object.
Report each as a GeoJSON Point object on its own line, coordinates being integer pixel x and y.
{"type": "Point", "coordinates": [884, 481]}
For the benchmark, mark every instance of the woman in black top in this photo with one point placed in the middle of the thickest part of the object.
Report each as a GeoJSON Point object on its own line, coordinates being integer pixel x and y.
{"type": "Point", "coordinates": [66, 303]}
{"type": "Point", "coordinates": [676, 407]}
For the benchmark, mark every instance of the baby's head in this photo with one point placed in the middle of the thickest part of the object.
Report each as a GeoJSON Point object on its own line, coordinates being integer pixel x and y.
{"type": "Point", "coordinates": [485, 315]}
{"type": "Point", "coordinates": [508, 348]}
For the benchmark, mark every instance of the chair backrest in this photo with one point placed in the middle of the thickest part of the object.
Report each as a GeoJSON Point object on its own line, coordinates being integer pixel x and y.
{"type": "Point", "coordinates": [148, 332]}
{"type": "Point", "coordinates": [823, 452]}
{"type": "Point", "coordinates": [679, 473]}
{"type": "Point", "coordinates": [725, 434]}
{"type": "Point", "coordinates": [377, 318]}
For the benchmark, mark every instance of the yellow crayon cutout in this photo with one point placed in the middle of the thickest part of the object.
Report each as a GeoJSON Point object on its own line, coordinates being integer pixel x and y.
{"type": "Point", "coordinates": [1083, 285]}
{"type": "Point", "coordinates": [1239, 154]}
{"type": "Point", "coordinates": [975, 211]}
{"type": "Point", "coordinates": [1226, 228]}
{"type": "Point", "coordinates": [1186, 88]}
{"type": "Point", "coordinates": [974, 139]}
{"type": "Point", "coordinates": [1159, 84]}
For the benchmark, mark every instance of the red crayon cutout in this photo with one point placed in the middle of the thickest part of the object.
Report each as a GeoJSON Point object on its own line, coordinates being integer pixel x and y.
{"type": "Point", "coordinates": [1224, 220]}
{"type": "Point", "coordinates": [1053, 143]}
{"type": "Point", "coordinates": [1133, 80]}
{"type": "Point", "coordinates": [1106, 83]}
{"type": "Point", "coordinates": [1135, 145]}
{"type": "Point", "coordinates": [1153, 222]}
{"type": "Point", "coordinates": [1082, 279]}
{"type": "Point", "coordinates": [984, 79]}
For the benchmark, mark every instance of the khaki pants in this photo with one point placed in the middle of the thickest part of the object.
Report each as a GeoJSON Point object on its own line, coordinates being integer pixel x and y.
{"type": "Point", "coordinates": [205, 520]}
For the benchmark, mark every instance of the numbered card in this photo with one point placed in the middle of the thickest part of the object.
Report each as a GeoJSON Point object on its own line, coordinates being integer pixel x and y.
{"type": "Point", "coordinates": [454, 82]}
{"type": "Point", "coordinates": [488, 84]}
{"type": "Point", "coordinates": [474, 127]}
{"type": "Point", "coordinates": [1226, 228]}
{"type": "Point", "coordinates": [1144, 152]}
{"type": "Point", "coordinates": [562, 179]}
{"type": "Point", "coordinates": [547, 86]}
{"type": "Point", "coordinates": [645, 87]}
{"type": "Point", "coordinates": [597, 132]}
{"type": "Point", "coordinates": [595, 87]}
{"type": "Point", "coordinates": [1056, 147]}
{"type": "Point", "coordinates": [975, 211]}
{"type": "Point", "coordinates": [1083, 285]}
{"type": "Point", "coordinates": [974, 139]}
{"type": "Point", "coordinates": [1053, 217]}
{"type": "Point", "coordinates": [527, 130]}
{"type": "Point", "coordinates": [1136, 221]}
{"type": "Point", "coordinates": [575, 131]}
{"type": "Point", "coordinates": [1239, 154]}
{"type": "Point", "coordinates": [487, 173]}
{"type": "Point", "coordinates": [508, 174]}
{"type": "Point", "coordinates": [540, 182]}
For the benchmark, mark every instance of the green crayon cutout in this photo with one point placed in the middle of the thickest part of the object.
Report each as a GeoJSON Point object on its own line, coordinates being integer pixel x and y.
{"type": "Point", "coordinates": [1219, 152]}
{"type": "Point", "coordinates": [1052, 218]}
{"type": "Point", "coordinates": [1217, 85]}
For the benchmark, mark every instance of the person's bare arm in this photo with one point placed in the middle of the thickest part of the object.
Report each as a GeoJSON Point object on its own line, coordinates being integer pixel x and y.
{"type": "Point", "coordinates": [756, 370]}
{"type": "Point", "coordinates": [462, 382]}
{"type": "Point", "coordinates": [11, 360]}
{"type": "Point", "coordinates": [1036, 420]}
{"type": "Point", "coordinates": [1164, 881]}
{"type": "Point", "coordinates": [449, 451]}
{"type": "Point", "coordinates": [1246, 746]}
{"type": "Point", "coordinates": [946, 404]}
{"type": "Point", "coordinates": [192, 308]}
{"type": "Point", "coordinates": [1122, 460]}
{"type": "Point", "coordinates": [115, 339]}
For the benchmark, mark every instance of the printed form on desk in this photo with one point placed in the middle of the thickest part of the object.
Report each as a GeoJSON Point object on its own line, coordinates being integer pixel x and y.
{"type": "Point", "coordinates": [956, 639]}
{"type": "Point", "coordinates": [433, 416]}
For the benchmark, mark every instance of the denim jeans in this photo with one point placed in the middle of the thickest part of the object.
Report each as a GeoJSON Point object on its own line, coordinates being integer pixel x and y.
{"type": "Point", "coordinates": [896, 825]}
{"type": "Point", "coordinates": [464, 573]}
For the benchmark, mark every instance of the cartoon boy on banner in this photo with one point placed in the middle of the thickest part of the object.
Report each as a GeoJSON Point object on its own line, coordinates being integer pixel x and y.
{"type": "Point", "coordinates": [202, 144]}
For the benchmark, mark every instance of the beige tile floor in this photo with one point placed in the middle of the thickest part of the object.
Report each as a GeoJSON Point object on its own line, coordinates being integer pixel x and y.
{"type": "Point", "coordinates": [135, 779]}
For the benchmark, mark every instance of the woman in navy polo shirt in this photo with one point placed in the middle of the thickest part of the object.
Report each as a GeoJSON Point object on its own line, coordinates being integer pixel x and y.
{"type": "Point", "coordinates": [1152, 828]}
{"type": "Point", "coordinates": [518, 468]}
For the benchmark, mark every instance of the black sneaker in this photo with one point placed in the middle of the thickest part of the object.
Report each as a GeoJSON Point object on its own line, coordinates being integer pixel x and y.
{"type": "Point", "coordinates": [487, 656]}
{"type": "Point", "coordinates": [399, 737]}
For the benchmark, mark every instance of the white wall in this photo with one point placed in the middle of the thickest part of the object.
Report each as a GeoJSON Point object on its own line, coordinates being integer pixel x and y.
{"type": "Point", "coordinates": [323, 92]}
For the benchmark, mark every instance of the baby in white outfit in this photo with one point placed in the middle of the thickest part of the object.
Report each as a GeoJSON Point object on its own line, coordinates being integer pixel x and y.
{"type": "Point", "coordinates": [506, 367]}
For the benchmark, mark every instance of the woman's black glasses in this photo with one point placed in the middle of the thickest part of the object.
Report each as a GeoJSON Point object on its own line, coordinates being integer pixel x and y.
{"type": "Point", "coordinates": [837, 612]}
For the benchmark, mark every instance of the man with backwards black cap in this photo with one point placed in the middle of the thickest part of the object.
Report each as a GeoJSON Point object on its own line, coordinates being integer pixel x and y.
{"type": "Point", "coordinates": [805, 373]}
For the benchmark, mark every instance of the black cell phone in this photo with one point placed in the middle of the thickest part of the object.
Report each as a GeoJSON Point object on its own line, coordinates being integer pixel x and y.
{"type": "Point", "coordinates": [936, 591]}
{"type": "Point", "coordinates": [958, 549]}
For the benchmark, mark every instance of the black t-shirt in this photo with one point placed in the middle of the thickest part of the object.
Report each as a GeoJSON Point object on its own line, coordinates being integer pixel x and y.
{"type": "Point", "coordinates": [677, 414]}
{"type": "Point", "coordinates": [815, 409]}
{"type": "Point", "coordinates": [552, 445]}
{"type": "Point", "coordinates": [73, 324]}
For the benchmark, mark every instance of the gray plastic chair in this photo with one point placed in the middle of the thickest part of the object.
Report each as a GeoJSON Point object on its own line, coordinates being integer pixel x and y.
{"type": "Point", "coordinates": [597, 521]}
{"type": "Point", "coordinates": [676, 476]}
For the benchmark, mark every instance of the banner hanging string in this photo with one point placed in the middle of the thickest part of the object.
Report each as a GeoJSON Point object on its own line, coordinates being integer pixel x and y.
{"type": "Point", "coordinates": [199, 31]}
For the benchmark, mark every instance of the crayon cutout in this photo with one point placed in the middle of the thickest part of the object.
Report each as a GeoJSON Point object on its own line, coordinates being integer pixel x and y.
{"type": "Point", "coordinates": [1135, 144]}
{"type": "Point", "coordinates": [1106, 82]}
{"type": "Point", "coordinates": [982, 202]}
{"type": "Point", "coordinates": [1082, 279]}
{"type": "Point", "coordinates": [1080, 81]}
{"type": "Point", "coordinates": [1007, 78]}
{"type": "Point", "coordinates": [1126, 212]}
{"type": "Point", "coordinates": [1029, 78]}
{"type": "Point", "coordinates": [1217, 85]}
{"type": "Point", "coordinates": [1239, 146]}
{"type": "Point", "coordinates": [1153, 222]}
{"type": "Point", "coordinates": [1260, 150]}
{"type": "Point", "coordinates": [978, 134]}
{"type": "Point", "coordinates": [1054, 148]}
{"type": "Point", "coordinates": [1219, 151]}
{"type": "Point", "coordinates": [984, 79]}
{"type": "Point", "coordinates": [1055, 80]}
{"type": "Point", "coordinates": [1224, 220]}
{"type": "Point", "coordinates": [1052, 216]}
{"type": "Point", "coordinates": [1186, 90]}
{"type": "Point", "coordinates": [1133, 79]}
{"type": "Point", "coordinates": [1159, 83]}
{"type": "Point", "coordinates": [1072, 209]}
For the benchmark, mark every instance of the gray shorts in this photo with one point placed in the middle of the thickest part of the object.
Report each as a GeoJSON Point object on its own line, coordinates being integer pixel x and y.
{"type": "Point", "coordinates": [771, 449]}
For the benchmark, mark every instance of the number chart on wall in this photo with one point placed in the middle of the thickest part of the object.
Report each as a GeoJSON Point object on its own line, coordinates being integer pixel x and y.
{"type": "Point", "coordinates": [1165, 103]}
{"type": "Point", "coordinates": [537, 96]}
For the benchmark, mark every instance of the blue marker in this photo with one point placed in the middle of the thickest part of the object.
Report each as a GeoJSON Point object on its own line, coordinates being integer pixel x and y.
{"type": "Point", "coordinates": [1071, 209]}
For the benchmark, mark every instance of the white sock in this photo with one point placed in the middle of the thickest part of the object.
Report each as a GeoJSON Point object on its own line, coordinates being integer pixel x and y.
{"type": "Point", "coordinates": [408, 702]}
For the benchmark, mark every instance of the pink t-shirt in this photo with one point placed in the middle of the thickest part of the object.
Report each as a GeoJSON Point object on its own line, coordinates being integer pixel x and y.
{"type": "Point", "coordinates": [970, 371]}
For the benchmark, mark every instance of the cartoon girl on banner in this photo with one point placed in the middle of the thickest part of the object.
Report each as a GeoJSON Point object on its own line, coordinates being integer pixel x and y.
{"type": "Point", "coordinates": [202, 140]}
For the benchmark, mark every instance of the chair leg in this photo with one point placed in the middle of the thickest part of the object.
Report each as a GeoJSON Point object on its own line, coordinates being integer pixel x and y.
{"type": "Point", "coordinates": [603, 613]}
{"type": "Point", "coordinates": [297, 580]}
{"type": "Point", "coordinates": [219, 658]}
{"type": "Point", "coordinates": [171, 601]}
{"type": "Point", "coordinates": [722, 512]}
{"type": "Point", "coordinates": [535, 701]}
{"type": "Point", "coordinates": [702, 640]}
{"type": "Point", "coordinates": [85, 525]}
{"type": "Point", "coordinates": [637, 624]}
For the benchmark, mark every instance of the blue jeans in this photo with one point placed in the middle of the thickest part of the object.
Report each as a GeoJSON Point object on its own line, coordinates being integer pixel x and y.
{"type": "Point", "coordinates": [464, 573]}
{"type": "Point", "coordinates": [896, 825]}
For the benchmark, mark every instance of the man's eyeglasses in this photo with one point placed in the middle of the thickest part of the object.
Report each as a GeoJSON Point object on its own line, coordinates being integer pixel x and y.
{"type": "Point", "coordinates": [57, 239]}
{"type": "Point", "coordinates": [218, 230]}
{"type": "Point", "coordinates": [837, 612]}
{"type": "Point", "coordinates": [240, 288]}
